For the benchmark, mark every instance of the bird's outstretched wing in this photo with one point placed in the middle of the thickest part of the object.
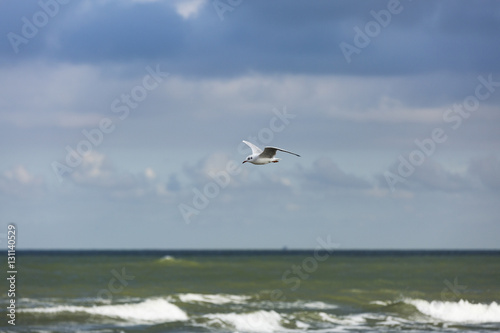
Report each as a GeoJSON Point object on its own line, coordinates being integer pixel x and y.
{"type": "Point", "coordinates": [271, 151]}
{"type": "Point", "coordinates": [255, 149]}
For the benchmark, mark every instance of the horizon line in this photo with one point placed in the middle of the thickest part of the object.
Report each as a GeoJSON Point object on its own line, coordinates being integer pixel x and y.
{"type": "Point", "coordinates": [278, 250]}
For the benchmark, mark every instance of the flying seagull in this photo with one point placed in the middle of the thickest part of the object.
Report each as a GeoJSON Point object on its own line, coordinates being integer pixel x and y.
{"type": "Point", "coordinates": [263, 157]}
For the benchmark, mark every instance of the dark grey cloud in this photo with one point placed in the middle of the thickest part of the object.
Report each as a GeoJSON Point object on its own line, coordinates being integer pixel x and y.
{"type": "Point", "coordinates": [173, 183]}
{"type": "Point", "coordinates": [326, 175]}
{"type": "Point", "coordinates": [117, 32]}
{"type": "Point", "coordinates": [480, 174]}
{"type": "Point", "coordinates": [433, 176]}
{"type": "Point", "coordinates": [268, 37]}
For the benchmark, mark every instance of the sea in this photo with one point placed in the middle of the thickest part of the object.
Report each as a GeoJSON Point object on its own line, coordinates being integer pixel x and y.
{"type": "Point", "coordinates": [254, 291]}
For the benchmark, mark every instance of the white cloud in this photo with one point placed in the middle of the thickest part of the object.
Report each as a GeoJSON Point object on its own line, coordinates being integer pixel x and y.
{"type": "Point", "coordinates": [149, 173]}
{"type": "Point", "coordinates": [50, 95]}
{"type": "Point", "coordinates": [69, 95]}
{"type": "Point", "coordinates": [62, 95]}
{"type": "Point", "coordinates": [99, 174]}
{"type": "Point", "coordinates": [381, 99]}
{"type": "Point", "coordinates": [188, 8]}
{"type": "Point", "coordinates": [93, 170]}
{"type": "Point", "coordinates": [215, 165]}
{"type": "Point", "coordinates": [19, 182]}
{"type": "Point", "coordinates": [391, 110]}
{"type": "Point", "coordinates": [19, 174]}
{"type": "Point", "coordinates": [51, 119]}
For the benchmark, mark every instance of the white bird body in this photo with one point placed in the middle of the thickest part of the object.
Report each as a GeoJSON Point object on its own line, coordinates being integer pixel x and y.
{"type": "Point", "coordinates": [265, 156]}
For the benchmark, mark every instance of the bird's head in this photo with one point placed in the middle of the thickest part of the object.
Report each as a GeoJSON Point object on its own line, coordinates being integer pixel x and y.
{"type": "Point", "coordinates": [249, 158]}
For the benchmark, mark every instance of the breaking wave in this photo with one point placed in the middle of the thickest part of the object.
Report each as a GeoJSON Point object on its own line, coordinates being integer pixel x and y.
{"type": "Point", "coordinates": [214, 299]}
{"type": "Point", "coordinates": [458, 312]}
{"type": "Point", "coordinates": [259, 321]}
{"type": "Point", "coordinates": [242, 313]}
{"type": "Point", "coordinates": [151, 311]}
{"type": "Point", "coordinates": [167, 258]}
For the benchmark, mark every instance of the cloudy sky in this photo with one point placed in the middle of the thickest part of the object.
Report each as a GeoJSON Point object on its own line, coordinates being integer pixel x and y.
{"type": "Point", "coordinates": [121, 124]}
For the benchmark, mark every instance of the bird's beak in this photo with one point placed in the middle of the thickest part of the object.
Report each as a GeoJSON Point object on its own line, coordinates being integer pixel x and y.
{"type": "Point", "coordinates": [244, 162]}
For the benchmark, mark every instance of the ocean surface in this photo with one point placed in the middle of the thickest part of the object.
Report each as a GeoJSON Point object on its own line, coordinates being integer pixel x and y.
{"type": "Point", "coordinates": [255, 291]}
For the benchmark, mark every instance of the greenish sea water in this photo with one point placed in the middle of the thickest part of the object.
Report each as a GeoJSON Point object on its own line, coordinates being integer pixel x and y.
{"type": "Point", "coordinates": [255, 291]}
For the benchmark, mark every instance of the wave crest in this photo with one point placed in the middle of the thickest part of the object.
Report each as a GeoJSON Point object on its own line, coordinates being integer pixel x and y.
{"type": "Point", "coordinates": [148, 311]}
{"type": "Point", "coordinates": [259, 321]}
{"type": "Point", "coordinates": [212, 298]}
{"type": "Point", "coordinates": [460, 312]}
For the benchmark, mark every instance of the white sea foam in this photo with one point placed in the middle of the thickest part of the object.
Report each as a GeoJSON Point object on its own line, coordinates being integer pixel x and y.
{"type": "Point", "coordinates": [148, 311]}
{"type": "Point", "coordinates": [350, 320]}
{"type": "Point", "coordinates": [394, 321]}
{"type": "Point", "coordinates": [259, 321]}
{"type": "Point", "coordinates": [167, 258]}
{"type": "Point", "coordinates": [459, 312]}
{"type": "Point", "coordinates": [318, 305]}
{"type": "Point", "coordinates": [304, 305]}
{"type": "Point", "coordinates": [212, 298]}
{"type": "Point", "coordinates": [299, 305]}
{"type": "Point", "coordinates": [171, 260]}
{"type": "Point", "coordinates": [381, 303]}
{"type": "Point", "coordinates": [301, 325]}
